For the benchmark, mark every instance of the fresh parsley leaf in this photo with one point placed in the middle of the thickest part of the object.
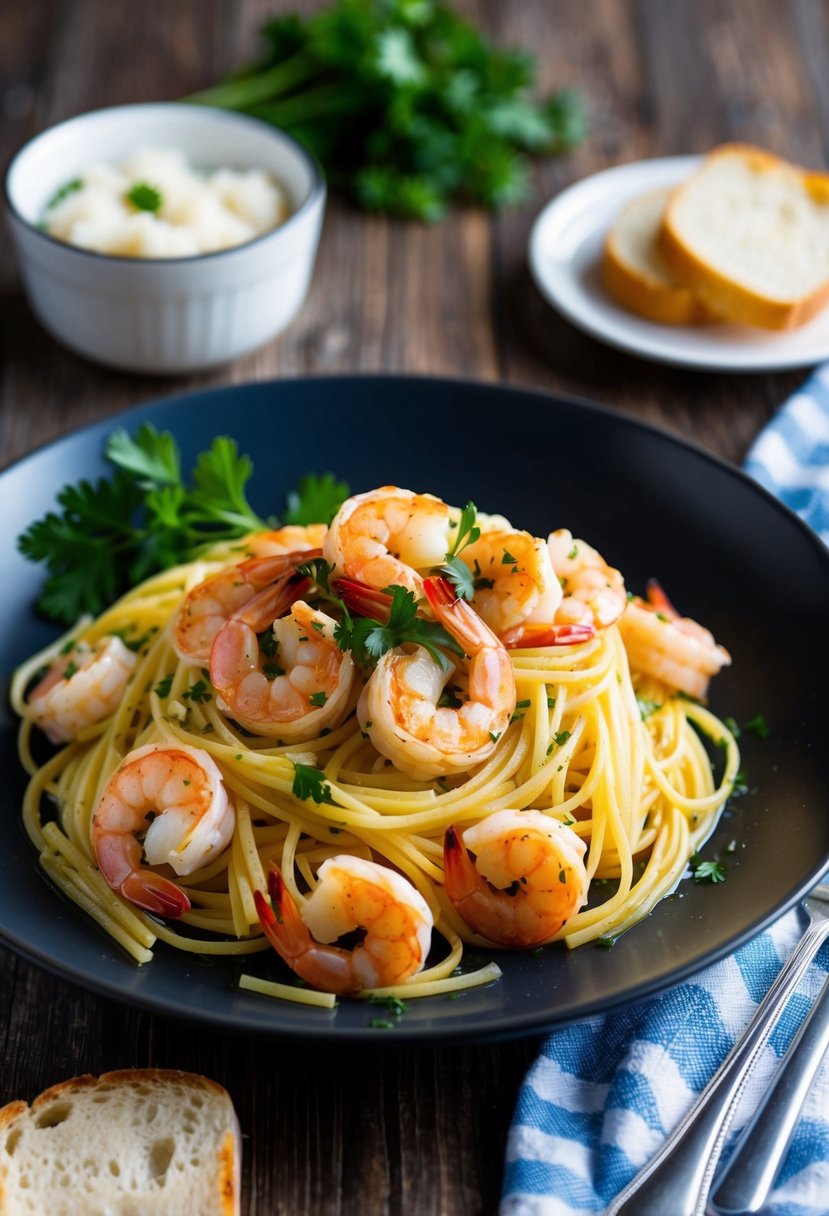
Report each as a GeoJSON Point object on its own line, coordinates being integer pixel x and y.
{"type": "Point", "coordinates": [455, 570]}
{"type": "Point", "coordinates": [310, 783]}
{"type": "Point", "coordinates": [197, 692]}
{"type": "Point", "coordinates": [706, 871]}
{"type": "Point", "coordinates": [108, 535]}
{"type": "Point", "coordinates": [316, 500]}
{"type": "Point", "coordinates": [647, 708]}
{"type": "Point", "coordinates": [757, 726]}
{"type": "Point", "coordinates": [144, 197]}
{"type": "Point", "coordinates": [162, 688]}
{"type": "Point", "coordinates": [460, 576]}
{"type": "Point", "coordinates": [370, 639]}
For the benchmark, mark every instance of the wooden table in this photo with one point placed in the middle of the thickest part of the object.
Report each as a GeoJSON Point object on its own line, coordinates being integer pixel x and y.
{"type": "Point", "coordinates": [422, 1130]}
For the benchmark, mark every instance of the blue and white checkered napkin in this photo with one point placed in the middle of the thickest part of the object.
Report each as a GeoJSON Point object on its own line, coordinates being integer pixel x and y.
{"type": "Point", "coordinates": [604, 1093]}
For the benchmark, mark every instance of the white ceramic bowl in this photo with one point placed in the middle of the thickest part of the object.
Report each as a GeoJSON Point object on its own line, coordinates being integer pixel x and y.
{"type": "Point", "coordinates": [171, 314]}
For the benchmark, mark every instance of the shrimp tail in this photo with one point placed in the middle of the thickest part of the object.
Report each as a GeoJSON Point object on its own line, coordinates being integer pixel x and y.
{"type": "Point", "coordinates": [461, 878]}
{"type": "Point", "coordinates": [155, 893]}
{"type": "Point", "coordinates": [362, 599]}
{"type": "Point", "coordinates": [526, 636]}
{"type": "Point", "coordinates": [659, 600]}
{"type": "Point", "coordinates": [325, 967]}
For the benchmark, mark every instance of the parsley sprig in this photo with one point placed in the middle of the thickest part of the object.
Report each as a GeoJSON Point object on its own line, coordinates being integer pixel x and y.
{"type": "Point", "coordinates": [109, 534]}
{"type": "Point", "coordinates": [391, 621]}
{"type": "Point", "coordinates": [454, 569]}
{"type": "Point", "coordinates": [706, 871]}
{"type": "Point", "coordinates": [369, 639]}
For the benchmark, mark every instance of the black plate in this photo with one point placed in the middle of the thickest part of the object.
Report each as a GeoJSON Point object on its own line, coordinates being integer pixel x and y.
{"type": "Point", "coordinates": [728, 553]}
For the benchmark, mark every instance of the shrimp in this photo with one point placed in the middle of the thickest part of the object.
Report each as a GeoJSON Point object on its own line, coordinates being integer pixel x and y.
{"type": "Point", "coordinates": [669, 647]}
{"type": "Point", "coordinates": [528, 877]}
{"type": "Point", "coordinates": [515, 583]}
{"type": "Point", "coordinates": [293, 538]}
{"type": "Point", "coordinates": [398, 707]}
{"type": "Point", "coordinates": [295, 681]}
{"type": "Point", "coordinates": [83, 686]}
{"type": "Point", "coordinates": [175, 795]}
{"type": "Point", "coordinates": [210, 603]}
{"type": "Point", "coordinates": [351, 894]}
{"type": "Point", "coordinates": [384, 537]}
{"type": "Point", "coordinates": [594, 593]}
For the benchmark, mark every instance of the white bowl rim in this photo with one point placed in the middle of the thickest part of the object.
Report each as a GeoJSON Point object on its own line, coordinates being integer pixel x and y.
{"type": "Point", "coordinates": [317, 191]}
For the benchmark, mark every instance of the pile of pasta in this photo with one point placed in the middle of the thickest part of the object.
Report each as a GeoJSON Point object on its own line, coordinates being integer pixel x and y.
{"type": "Point", "coordinates": [618, 758]}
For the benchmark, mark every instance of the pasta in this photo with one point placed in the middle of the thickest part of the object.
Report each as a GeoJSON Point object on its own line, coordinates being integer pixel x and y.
{"type": "Point", "coordinates": [618, 759]}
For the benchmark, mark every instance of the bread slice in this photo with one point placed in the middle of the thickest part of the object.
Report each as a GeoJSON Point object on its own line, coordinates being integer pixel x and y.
{"type": "Point", "coordinates": [636, 274]}
{"type": "Point", "coordinates": [138, 1142]}
{"type": "Point", "coordinates": [749, 234]}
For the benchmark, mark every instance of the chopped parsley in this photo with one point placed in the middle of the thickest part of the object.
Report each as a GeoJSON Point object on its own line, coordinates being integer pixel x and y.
{"type": "Point", "coordinates": [64, 191]}
{"type": "Point", "coordinates": [162, 688]}
{"type": "Point", "coordinates": [706, 871]}
{"type": "Point", "coordinates": [144, 197]}
{"type": "Point", "coordinates": [757, 726]}
{"type": "Point", "coordinates": [318, 698]}
{"type": "Point", "coordinates": [310, 783]}
{"type": "Point", "coordinates": [647, 708]}
{"type": "Point", "coordinates": [197, 692]}
{"type": "Point", "coordinates": [70, 669]}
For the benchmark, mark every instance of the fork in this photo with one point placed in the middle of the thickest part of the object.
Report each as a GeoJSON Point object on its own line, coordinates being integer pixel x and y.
{"type": "Point", "coordinates": [679, 1178]}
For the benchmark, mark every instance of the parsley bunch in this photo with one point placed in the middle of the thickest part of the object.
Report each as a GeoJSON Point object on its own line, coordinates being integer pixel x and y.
{"type": "Point", "coordinates": [405, 103]}
{"type": "Point", "coordinates": [110, 534]}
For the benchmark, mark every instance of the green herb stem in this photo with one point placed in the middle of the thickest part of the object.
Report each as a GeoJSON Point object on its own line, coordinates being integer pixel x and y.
{"type": "Point", "coordinates": [268, 84]}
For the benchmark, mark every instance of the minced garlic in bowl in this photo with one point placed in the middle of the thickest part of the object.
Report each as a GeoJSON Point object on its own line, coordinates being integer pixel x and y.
{"type": "Point", "coordinates": [155, 205]}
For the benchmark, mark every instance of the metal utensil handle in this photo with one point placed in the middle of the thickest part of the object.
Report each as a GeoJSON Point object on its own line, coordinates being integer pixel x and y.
{"type": "Point", "coordinates": [679, 1177]}
{"type": "Point", "coordinates": [755, 1163]}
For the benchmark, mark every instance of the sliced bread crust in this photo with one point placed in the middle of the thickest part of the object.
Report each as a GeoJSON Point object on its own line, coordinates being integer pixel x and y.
{"type": "Point", "coordinates": [776, 218]}
{"type": "Point", "coordinates": [134, 1142]}
{"type": "Point", "coordinates": [636, 274]}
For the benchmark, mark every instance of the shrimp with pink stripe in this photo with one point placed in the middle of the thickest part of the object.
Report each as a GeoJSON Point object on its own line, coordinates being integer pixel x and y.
{"type": "Point", "coordinates": [526, 880]}
{"type": "Point", "coordinates": [384, 537]}
{"type": "Point", "coordinates": [351, 894]}
{"type": "Point", "coordinates": [82, 687]}
{"type": "Point", "coordinates": [398, 708]}
{"type": "Point", "coordinates": [277, 667]}
{"type": "Point", "coordinates": [668, 647]}
{"type": "Point", "coordinates": [208, 605]}
{"type": "Point", "coordinates": [173, 797]}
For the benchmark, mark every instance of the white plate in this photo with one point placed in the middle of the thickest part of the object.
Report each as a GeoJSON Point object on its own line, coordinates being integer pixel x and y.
{"type": "Point", "coordinates": [564, 253]}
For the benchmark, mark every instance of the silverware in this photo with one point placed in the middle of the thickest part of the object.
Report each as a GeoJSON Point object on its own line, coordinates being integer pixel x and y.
{"type": "Point", "coordinates": [746, 1182]}
{"type": "Point", "coordinates": [678, 1179]}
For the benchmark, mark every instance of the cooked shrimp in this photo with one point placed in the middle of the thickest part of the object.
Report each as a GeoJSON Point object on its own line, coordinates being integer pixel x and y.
{"type": "Point", "coordinates": [209, 604]}
{"type": "Point", "coordinates": [293, 682]}
{"type": "Point", "coordinates": [385, 536]}
{"type": "Point", "coordinates": [293, 538]}
{"type": "Point", "coordinates": [398, 708]}
{"type": "Point", "coordinates": [671, 648]}
{"type": "Point", "coordinates": [515, 583]}
{"type": "Point", "coordinates": [82, 687]}
{"type": "Point", "coordinates": [351, 894]}
{"type": "Point", "coordinates": [594, 593]}
{"type": "Point", "coordinates": [528, 877]}
{"type": "Point", "coordinates": [173, 795]}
